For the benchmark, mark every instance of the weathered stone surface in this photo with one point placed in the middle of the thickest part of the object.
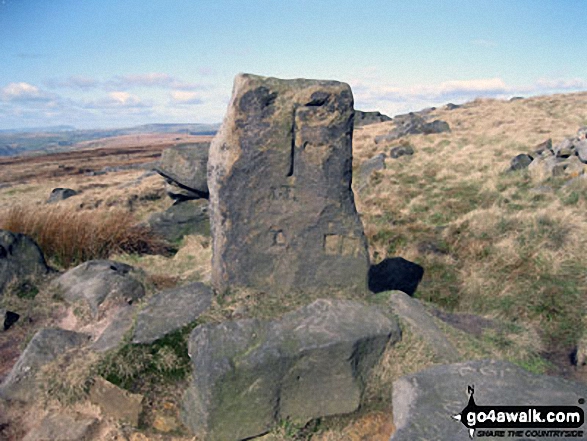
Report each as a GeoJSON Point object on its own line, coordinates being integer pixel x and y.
{"type": "Point", "coordinates": [186, 166]}
{"type": "Point", "coordinates": [451, 106]}
{"type": "Point", "coordinates": [367, 118]}
{"type": "Point", "coordinates": [412, 124]}
{"type": "Point", "coordinates": [114, 333]}
{"type": "Point", "coordinates": [116, 402]}
{"type": "Point", "coordinates": [250, 374]}
{"type": "Point", "coordinates": [520, 162]}
{"type": "Point", "coordinates": [282, 210]}
{"type": "Point", "coordinates": [582, 133]}
{"type": "Point", "coordinates": [20, 259]}
{"type": "Point", "coordinates": [581, 148]}
{"type": "Point", "coordinates": [422, 323]}
{"type": "Point", "coordinates": [60, 194]}
{"type": "Point", "coordinates": [96, 281]}
{"type": "Point", "coordinates": [44, 347]}
{"type": "Point", "coordinates": [395, 273]}
{"type": "Point", "coordinates": [181, 219]}
{"type": "Point", "coordinates": [565, 148]}
{"type": "Point", "coordinates": [7, 319]}
{"type": "Point", "coordinates": [544, 148]}
{"type": "Point", "coordinates": [367, 168]}
{"type": "Point", "coordinates": [401, 150]}
{"type": "Point", "coordinates": [424, 403]}
{"type": "Point", "coordinates": [171, 310]}
{"type": "Point", "coordinates": [64, 427]}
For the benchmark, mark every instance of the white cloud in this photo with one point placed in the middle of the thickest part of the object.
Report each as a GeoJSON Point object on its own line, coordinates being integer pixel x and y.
{"type": "Point", "coordinates": [185, 97]}
{"type": "Point", "coordinates": [24, 92]}
{"type": "Point", "coordinates": [153, 79]}
{"type": "Point", "coordinates": [73, 82]}
{"type": "Point", "coordinates": [114, 100]}
{"type": "Point", "coordinates": [561, 84]}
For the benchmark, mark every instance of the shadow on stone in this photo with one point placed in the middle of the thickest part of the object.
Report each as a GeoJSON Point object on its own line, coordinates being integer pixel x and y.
{"type": "Point", "coordinates": [395, 273]}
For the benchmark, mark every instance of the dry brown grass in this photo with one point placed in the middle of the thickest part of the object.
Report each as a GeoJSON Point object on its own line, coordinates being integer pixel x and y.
{"type": "Point", "coordinates": [68, 238]}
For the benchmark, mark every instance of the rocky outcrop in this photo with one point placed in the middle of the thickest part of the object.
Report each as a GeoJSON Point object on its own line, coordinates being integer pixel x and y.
{"type": "Point", "coordinates": [184, 167]}
{"type": "Point", "coordinates": [60, 194]}
{"type": "Point", "coordinates": [113, 335]}
{"type": "Point", "coordinates": [519, 162]}
{"type": "Point", "coordinates": [97, 281]}
{"type": "Point", "coordinates": [249, 374]}
{"type": "Point", "coordinates": [171, 310]}
{"type": "Point", "coordinates": [282, 210]}
{"type": "Point", "coordinates": [181, 219]}
{"type": "Point", "coordinates": [45, 346]}
{"type": "Point", "coordinates": [424, 403]}
{"type": "Point", "coordinates": [401, 150]}
{"type": "Point", "coordinates": [367, 118]}
{"type": "Point", "coordinates": [21, 259]}
{"type": "Point", "coordinates": [412, 124]}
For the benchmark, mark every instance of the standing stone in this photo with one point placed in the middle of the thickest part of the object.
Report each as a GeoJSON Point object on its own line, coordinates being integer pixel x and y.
{"type": "Point", "coordinates": [283, 215]}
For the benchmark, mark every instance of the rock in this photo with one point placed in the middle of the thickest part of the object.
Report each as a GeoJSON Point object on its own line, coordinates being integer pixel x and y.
{"type": "Point", "coordinates": [181, 219]}
{"type": "Point", "coordinates": [60, 194]}
{"type": "Point", "coordinates": [367, 118]}
{"type": "Point", "coordinates": [395, 273]}
{"type": "Point", "coordinates": [45, 346]}
{"type": "Point", "coordinates": [469, 323]}
{"type": "Point", "coordinates": [186, 165]}
{"type": "Point", "coordinates": [436, 126]}
{"type": "Point", "coordinates": [21, 259]}
{"type": "Point", "coordinates": [412, 124]}
{"type": "Point", "coordinates": [401, 150]}
{"type": "Point", "coordinates": [516, 98]}
{"type": "Point", "coordinates": [171, 310]}
{"type": "Point", "coordinates": [581, 149]}
{"type": "Point", "coordinates": [544, 148]}
{"type": "Point", "coordinates": [7, 319]}
{"type": "Point", "coordinates": [367, 168]}
{"type": "Point", "coordinates": [115, 402]}
{"type": "Point", "coordinates": [178, 193]}
{"type": "Point", "coordinates": [113, 335]}
{"type": "Point", "coordinates": [451, 106]}
{"type": "Point", "coordinates": [64, 427]}
{"type": "Point", "coordinates": [581, 352]}
{"type": "Point", "coordinates": [582, 133]}
{"type": "Point", "coordinates": [249, 374]}
{"type": "Point", "coordinates": [282, 211]}
{"type": "Point", "coordinates": [424, 403]}
{"type": "Point", "coordinates": [520, 162]}
{"type": "Point", "coordinates": [96, 281]}
{"type": "Point", "coordinates": [565, 149]}
{"type": "Point", "coordinates": [422, 324]}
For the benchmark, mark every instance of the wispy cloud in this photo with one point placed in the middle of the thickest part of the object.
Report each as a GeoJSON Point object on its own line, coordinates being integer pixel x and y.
{"type": "Point", "coordinates": [24, 92]}
{"type": "Point", "coordinates": [116, 100]}
{"type": "Point", "coordinates": [185, 97]}
{"type": "Point", "coordinates": [73, 82]}
{"type": "Point", "coordinates": [154, 79]}
{"type": "Point", "coordinates": [561, 84]}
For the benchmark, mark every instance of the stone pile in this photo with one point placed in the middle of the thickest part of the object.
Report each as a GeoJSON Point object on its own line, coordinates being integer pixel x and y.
{"type": "Point", "coordinates": [412, 124]}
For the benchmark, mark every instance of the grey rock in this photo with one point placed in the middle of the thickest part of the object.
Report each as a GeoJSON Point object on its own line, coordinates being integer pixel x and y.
{"type": "Point", "coordinates": [451, 106]}
{"type": "Point", "coordinates": [582, 133]}
{"type": "Point", "coordinates": [64, 427]}
{"type": "Point", "coordinates": [7, 319]}
{"type": "Point", "coordinates": [520, 162]}
{"type": "Point", "coordinates": [565, 148]}
{"type": "Point", "coordinates": [179, 193]}
{"type": "Point", "coordinates": [581, 149]}
{"type": "Point", "coordinates": [422, 323]}
{"type": "Point", "coordinates": [181, 219]}
{"type": "Point", "coordinates": [412, 124]}
{"type": "Point", "coordinates": [282, 210]}
{"type": "Point", "coordinates": [367, 118]}
{"type": "Point", "coordinates": [115, 402]}
{"type": "Point", "coordinates": [186, 166]}
{"type": "Point", "coordinates": [96, 281]}
{"type": "Point", "coordinates": [171, 310]}
{"type": "Point", "coordinates": [113, 335]}
{"type": "Point", "coordinates": [516, 98]}
{"type": "Point", "coordinates": [21, 259]}
{"type": "Point", "coordinates": [544, 148]}
{"type": "Point", "coordinates": [424, 403]}
{"type": "Point", "coordinates": [250, 374]}
{"type": "Point", "coordinates": [60, 194]}
{"type": "Point", "coordinates": [45, 346]}
{"type": "Point", "coordinates": [401, 150]}
{"type": "Point", "coordinates": [367, 168]}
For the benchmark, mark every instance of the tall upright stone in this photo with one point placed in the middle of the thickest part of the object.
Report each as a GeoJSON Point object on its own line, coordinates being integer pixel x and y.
{"type": "Point", "coordinates": [283, 215]}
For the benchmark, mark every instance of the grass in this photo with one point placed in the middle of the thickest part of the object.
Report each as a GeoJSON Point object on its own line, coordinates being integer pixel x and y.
{"type": "Point", "coordinates": [68, 238]}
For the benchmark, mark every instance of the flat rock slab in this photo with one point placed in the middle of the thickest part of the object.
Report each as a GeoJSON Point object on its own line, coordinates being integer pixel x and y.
{"type": "Point", "coordinates": [250, 374]}
{"type": "Point", "coordinates": [45, 346]}
{"type": "Point", "coordinates": [115, 402]}
{"type": "Point", "coordinates": [282, 211]}
{"type": "Point", "coordinates": [63, 427]}
{"type": "Point", "coordinates": [186, 165]}
{"type": "Point", "coordinates": [181, 219]}
{"type": "Point", "coordinates": [114, 333]}
{"type": "Point", "coordinates": [96, 281]}
{"type": "Point", "coordinates": [424, 403]}
{"type": "Point", "coordinates": [422, 324]}
{"type": "Point", "coordinates": [20, 259]}
{"type": "Point", "coordinates": [171, 310]}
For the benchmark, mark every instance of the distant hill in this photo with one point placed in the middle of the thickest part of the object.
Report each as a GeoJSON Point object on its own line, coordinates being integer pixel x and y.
{"type": "Point", "coordinates": [20, 141]}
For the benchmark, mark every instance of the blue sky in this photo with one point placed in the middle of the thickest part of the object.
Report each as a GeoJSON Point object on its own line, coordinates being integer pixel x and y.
{"type": "Point", "coordinates": [113, 63]}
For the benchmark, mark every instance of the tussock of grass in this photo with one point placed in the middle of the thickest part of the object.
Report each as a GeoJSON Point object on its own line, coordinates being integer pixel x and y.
{"type": "Point", "coordinates": [68, 238]}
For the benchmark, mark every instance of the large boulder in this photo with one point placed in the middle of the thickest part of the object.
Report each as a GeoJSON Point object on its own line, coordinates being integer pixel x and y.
{"type": "Point", "coordinates": [171, 310]}
{"type": "Point", "coordinates": [367, 118]}
{"type": "Point", "coordinates": [282, 211]}
{"type": "Point", "coordinates": [412, 124]}
{"type": "Point", "coordinates": [424, 403]}
{"type": "Point", "coordinates": [181, 219]}
{"type": "Point", "coordinates": [45, 346]}
{"type": "Point", "coordinates": [581, 148]}
{"type": "Point", "coordinates": [113, 335]}
{"type": "Point", "coordinates": [60, 194]}
{"type": "Point", "coordinates": [96, 281]}
{"type": "Point", "coordinates": [250, 374]}
{"type": "Point", "coordinates": [64, 427]}
{"type": "Point", "coordinates": [20, 259]}
{"type": "Point", "coordinates": [184, 166]}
